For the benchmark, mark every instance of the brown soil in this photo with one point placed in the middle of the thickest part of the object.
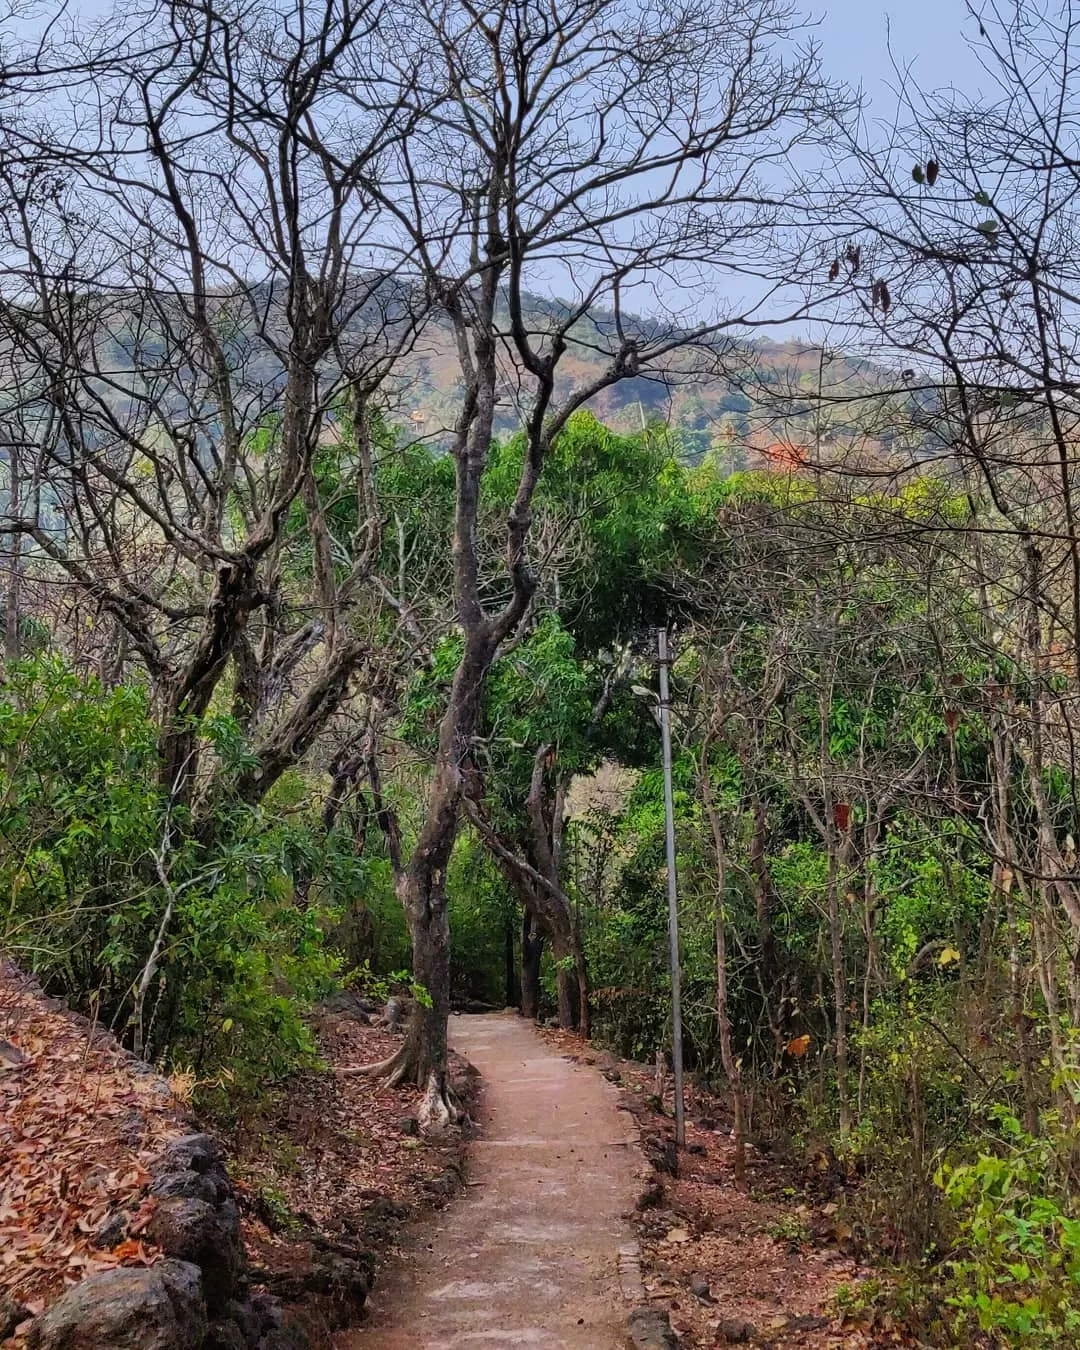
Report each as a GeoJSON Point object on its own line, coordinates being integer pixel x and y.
{"type": "Point", "coordinates": [529, 1255]}
{"type": "Point", "coordinates": [337, 1163]}
{"type": "Point", "coordinates": [328, 1163]}
{"type": "Point", "coordinates": [775, 1251]}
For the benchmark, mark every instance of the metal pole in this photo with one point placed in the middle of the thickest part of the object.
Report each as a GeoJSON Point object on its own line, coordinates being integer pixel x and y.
{"type": "Point", "coordinates": [672, 894]}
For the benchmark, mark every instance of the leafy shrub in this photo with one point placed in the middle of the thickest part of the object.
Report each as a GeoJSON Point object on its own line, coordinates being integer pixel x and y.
{"type": "Point", "coordinates": [89, 862]}
{"type": "Point", "coordinates": [1017, 1274]}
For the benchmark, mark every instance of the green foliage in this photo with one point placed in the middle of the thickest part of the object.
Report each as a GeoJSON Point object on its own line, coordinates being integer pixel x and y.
{"type": "Point", "coordinates": [480, 913]}
{"type": "Point", "coordinates": [90, 859]}
{"type": "Point", "coordinates": [1017, 1273]}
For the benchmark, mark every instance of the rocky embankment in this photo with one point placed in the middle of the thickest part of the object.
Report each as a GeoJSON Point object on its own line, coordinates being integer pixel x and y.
{"type": "Point", "coordinates": [121, 1227]}
{"type": "Point", "coordinates": [196, 1297]}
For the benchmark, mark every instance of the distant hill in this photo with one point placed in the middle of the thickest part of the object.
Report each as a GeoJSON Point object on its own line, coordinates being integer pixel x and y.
{"type": "Point", "coordinates": [766, 405]}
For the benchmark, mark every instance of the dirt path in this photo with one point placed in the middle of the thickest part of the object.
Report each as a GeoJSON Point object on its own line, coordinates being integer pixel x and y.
{"type": "Point", "coordinates": [529, 1255]}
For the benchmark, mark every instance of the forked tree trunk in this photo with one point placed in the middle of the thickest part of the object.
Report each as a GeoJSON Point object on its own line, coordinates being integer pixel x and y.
{"type": "Point", "coordinates": [532, 873]}
{"type": "Point", "coordinates": [421, 887]}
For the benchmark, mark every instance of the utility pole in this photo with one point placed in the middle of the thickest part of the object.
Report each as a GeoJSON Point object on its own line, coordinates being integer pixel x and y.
{"type": "Point", "coordinates": [664, 661]}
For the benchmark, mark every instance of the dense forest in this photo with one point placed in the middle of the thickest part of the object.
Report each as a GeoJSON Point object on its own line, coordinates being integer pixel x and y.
{"type": "Point", "coordinates": [306, 687]}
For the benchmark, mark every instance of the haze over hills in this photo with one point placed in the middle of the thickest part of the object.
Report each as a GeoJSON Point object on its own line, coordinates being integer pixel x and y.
{"type": "Point", "coordinates": [762, 407]}
{"type": "Point", "coordinates": [767, 398]}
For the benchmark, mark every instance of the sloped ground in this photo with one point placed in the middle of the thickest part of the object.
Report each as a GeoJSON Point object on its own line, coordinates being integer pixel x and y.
{"type": "Point", "coordinates": [337, 1162]}
{"type": "Point", "coordinates": [79, 1122]}
{"type": "Point", "coordinates": [326, 1172]}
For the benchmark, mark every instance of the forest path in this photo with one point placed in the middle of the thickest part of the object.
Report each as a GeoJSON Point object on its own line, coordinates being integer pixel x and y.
{"type": "Point", "coordinates": [529, 1255]}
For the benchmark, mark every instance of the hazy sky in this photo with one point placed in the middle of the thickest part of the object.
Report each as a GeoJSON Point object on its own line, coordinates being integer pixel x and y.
{"type": "Point", "coordinates": [927, 35]}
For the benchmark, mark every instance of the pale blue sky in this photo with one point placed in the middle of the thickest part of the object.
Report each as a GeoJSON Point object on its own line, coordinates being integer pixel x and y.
{"type": "Point", "coordinates": [928, 35]}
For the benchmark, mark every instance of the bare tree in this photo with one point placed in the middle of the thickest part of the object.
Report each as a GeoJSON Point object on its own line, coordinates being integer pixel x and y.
{"type": "Point", "coordinates": [610, 152]}
{"type": "Point", "coordinates": [967, 228]}
{"type": "Point", "coordinates": [202, 312]}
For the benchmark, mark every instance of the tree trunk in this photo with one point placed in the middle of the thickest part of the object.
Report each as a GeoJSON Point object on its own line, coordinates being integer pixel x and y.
{"type": "Point", "coordinates": [723, 1010]}
{"type": "Point", "coordinates": [421, 887]}
{"type": "Point", "coordinates": [532, 950]}
{"type": "Point", "coordinates": [839, 985]}
{"type": "Point", "coordinates": [582, 971]}
{"type": "Point", "coordinates": [545, 816]}
{"type": "Point", "coordinates": [566, 984]}
{"type": "Point", "coordinates": [11, 602]}
{"type": "Point", "coordinates": [510, 965]}
{"type": "Point", "coordinates": [425, 1037]}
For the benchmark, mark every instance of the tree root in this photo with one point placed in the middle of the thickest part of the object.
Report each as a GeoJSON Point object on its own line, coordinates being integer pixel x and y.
{"type": "Point", "coordinates": [439, 1106]}
{"type": "Point", "coordinates": [396, 1068]}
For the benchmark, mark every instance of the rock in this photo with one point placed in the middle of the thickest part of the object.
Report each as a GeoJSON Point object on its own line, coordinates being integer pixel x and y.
{"type": "Point", "coordinates": [209, 1236]}
{"type": "Point", "coordinates": [225, 1335]}
{"type": "Point", "coordinates": [808, 1322]}
{"type": "Point", "coordinates": [650, 1329]}
{"type": "Point", "coordinates": [347, 1004]}
{"type": "Point", "coordinates": [210, 1187]}
{"type": "Point", "coordinates": [192, 1153]}
{"type": "Point", "coordinates": [252, 1316]}
{"type": "Point", "coordinates": [736, 1330]}
{"type": "Point", "coordinates": [663, 1153]}
{"type": "Point", "coordinates": [276, 1331]}
{"type": "Point", "coordinates": [11, 1315]}
{"type": "Point", "coordinates": [287, 1336]}
{"type": "Point", "coordinates": [651, 1196]}
{"type": "Point", "coordinates": [11, 1057]}
{"type": "Point", "coordinates": [261, 1323]}
{"type": "Point", "coordinates": [409, 1125]}
{"type": "Point", "coordinates": [396, 1012]}
{"type": "Point", "coordinates": [699, 1286]}
{"type": "Point", "coordinates": [111, 1232]}
{"type": "Point", "coordinates": [441, 1186]}
{"type": "Point", "coordinates": [348, 1285]}
{"type": "Point", "coordinates": [383, 1207]}
{"type": "Point", "coordinates": [157, 1308]}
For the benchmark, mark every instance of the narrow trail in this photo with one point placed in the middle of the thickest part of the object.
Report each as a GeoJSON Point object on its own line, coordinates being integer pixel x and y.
{"type": "Point", "coordinates": [529, 1256]}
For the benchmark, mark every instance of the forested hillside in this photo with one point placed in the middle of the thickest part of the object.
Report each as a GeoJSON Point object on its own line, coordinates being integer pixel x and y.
{"type": "Point", "coordinates": [334, 559]}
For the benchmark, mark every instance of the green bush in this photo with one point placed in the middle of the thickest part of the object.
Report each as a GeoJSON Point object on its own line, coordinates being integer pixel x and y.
{"type": "Point", "coordinates": [89, 860]}
{"type": "Point", "coordinates": [1017, 1274]}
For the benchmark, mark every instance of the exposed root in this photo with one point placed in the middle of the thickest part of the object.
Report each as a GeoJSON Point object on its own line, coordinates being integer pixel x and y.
{"type": "Point", "coordinates": [395, 1068]}
{"type": "Point", "coordinates": [440, 1106]}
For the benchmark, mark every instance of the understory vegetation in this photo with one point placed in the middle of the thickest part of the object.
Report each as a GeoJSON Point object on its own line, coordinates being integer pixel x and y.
{"type": "Point", "coordinates": [306, 686]}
